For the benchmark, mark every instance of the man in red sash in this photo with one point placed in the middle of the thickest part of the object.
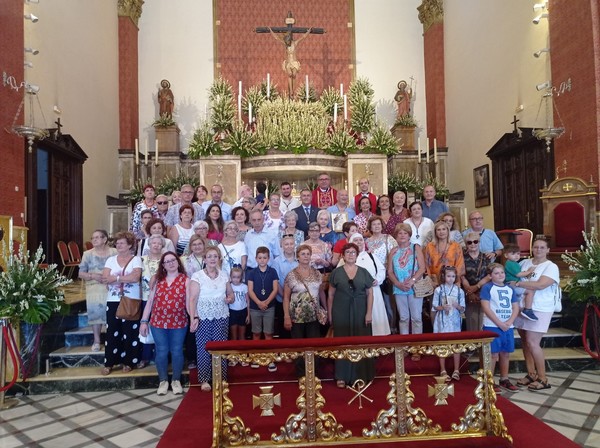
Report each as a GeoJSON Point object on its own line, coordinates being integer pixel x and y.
{"type": "Point", "coordinates": [324, 195]}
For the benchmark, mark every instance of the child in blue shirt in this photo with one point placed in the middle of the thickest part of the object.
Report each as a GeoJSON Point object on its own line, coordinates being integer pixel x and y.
{"type": "Point", "coordinates": [500, 306]}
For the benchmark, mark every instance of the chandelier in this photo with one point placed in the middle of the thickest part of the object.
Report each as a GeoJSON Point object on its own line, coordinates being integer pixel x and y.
{"type": "Point", "coordinates": [29, 130]}
{"type": "Point", "coordinates": [548, 132]}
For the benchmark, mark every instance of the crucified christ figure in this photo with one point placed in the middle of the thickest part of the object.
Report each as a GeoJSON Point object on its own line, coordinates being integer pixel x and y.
{"type": "Point", "coordinates": [290, 65]}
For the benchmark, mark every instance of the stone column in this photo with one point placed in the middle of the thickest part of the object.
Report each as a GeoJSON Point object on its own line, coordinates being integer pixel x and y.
{"type": "Point", "coordinates": [129, 14]}
{"type": "Point", "coordinates": [431, 15]}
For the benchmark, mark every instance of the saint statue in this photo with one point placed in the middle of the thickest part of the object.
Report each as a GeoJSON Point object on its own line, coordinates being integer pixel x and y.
{"type": "Point", "coordinates": [403, 98]}
{"type": "Point", "coordinates": [290, 65]}
{"type": "Point", "coordinates": [166, 100]}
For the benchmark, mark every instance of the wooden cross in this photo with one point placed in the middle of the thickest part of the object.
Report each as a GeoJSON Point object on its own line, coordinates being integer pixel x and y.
{"type": "Point", "coordinates": [514, 123]}
{"type": "Point", "coordinates": [291, 65]}
{"type": "Point", "coordinates": [58, 126]}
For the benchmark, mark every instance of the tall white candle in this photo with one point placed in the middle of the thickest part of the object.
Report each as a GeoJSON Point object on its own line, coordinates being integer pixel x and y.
{"type": "Point", "coordinates": [137, 157]}
{"type": "Point", "coordinates": [419, 149]}
{"type": "Point", "coordinates": [146, 155]}
{"type": "Point", "coordinates": [240, 88]}
{"type": "Point", "coordinates": [345, 108]}
{"type": "Point", "coordinates": [334, 113]}
{"type": "Point", "coordinates": [341, 89]}
{"type": "Point", "coordinates": [249, 112]}
{"type": "Point", "coordinates": [240, 107]}
{"type": "Point", "coordinates": [435, 150]}
{"type": "Point", "coordinates": [465, 218]}
{"type": "Point", "coordinates": [306, 87]}
{"type": "Point", "coordinates": [156, 153]}
{"type": "Point", "coordinates": [268, 85]}
{"type": "Point", "coordinates": [427, 149]}
{"type": "Point", "coordinates": [110, 225]}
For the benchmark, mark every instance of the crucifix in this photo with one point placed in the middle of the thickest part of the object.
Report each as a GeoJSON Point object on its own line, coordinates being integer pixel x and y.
{"type": "Point", "coordinates": [58, 126]}
{"type": "Point", "coordinates": [291, 65]}
{"type": "Point", "coordinates": [514, 123]}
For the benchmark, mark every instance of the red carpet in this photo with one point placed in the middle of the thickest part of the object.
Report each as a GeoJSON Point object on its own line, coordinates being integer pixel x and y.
{"type": "Point", "coordinates": [195, 411]}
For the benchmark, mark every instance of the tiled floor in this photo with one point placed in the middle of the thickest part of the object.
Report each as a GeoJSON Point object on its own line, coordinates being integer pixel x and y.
{"type": "Point", "coordinates": [137, 418]}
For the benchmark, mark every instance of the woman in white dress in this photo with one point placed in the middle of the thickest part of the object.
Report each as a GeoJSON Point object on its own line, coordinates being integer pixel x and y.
{"type": "Point", "coordinates": [420, 225]}
{"type": "Point", "coordinates": [181, 233]}
{"type": "Point", "coordinates": [233, 251]}
{"type": "Point", "coordinates": [380, 324]}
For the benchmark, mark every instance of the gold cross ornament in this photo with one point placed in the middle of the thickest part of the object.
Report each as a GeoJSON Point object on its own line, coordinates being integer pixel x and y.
{"type": "Point", "coordinates": [266, 401]}
{"type": "Point", "coordinates": [441, 390]}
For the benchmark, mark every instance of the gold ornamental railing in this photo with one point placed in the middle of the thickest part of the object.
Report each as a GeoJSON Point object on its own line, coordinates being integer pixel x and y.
{"type": "Point", "coordinates": [314, 425]}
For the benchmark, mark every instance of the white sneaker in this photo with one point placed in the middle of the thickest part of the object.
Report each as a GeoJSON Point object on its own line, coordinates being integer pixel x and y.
{"type": "Point", "coordinates": [163, 387]}
{"type": "Point", "coordinates": [176, 386]}
{"type": "Point", "coordinates": [272, 367]}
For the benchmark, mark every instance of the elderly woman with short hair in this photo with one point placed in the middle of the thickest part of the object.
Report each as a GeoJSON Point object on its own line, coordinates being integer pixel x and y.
{"type": "Point", "coordinates": [155, 227]}
{"type": "Point", "coordinates": [290, 219]}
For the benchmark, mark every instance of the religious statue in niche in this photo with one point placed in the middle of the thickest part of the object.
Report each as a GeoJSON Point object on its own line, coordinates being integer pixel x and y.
{"type": "Point", "coordinates": [166, 100]}
{"type": "Point", "coordinates": [291, 65]}
{"type": "Point", "coordinates": [403, 98]}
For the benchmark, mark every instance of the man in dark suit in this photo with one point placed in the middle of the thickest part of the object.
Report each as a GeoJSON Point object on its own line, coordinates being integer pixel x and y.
{"type": "Point", "coordinates": [306, 212]}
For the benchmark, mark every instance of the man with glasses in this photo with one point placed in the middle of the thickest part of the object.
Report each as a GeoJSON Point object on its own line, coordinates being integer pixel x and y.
{"type": "Point", "coordinates": [324, 195]}
{"type": "Point", "coordinates": [306, 212]}
{"type": "Point", "coordinates": [187, 196]}
{"type": "Point", "coordinates": [257, 237]}
{"type": "Point", "coordinates": [216, 193]}
{"type": "Point", "coordinates": [288, 202]}
{"type": "Point", "coordinates": [489, 243]}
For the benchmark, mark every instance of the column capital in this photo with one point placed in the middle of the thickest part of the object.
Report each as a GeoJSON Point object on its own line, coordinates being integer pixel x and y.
{"type": "Point", "coordinates": [430, 12]}
{"type": "Point", "coordinates": [131, 9]}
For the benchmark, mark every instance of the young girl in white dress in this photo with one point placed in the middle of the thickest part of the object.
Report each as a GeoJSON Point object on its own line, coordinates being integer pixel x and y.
{"type": "Point", "coordinates": [447, 307]}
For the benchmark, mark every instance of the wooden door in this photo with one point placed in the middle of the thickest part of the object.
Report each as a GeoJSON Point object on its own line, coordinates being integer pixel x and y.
{"type": "Point", "coordinates": [521, 166]}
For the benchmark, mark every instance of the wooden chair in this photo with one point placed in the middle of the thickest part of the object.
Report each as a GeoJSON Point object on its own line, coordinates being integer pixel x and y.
{"type": "Point", "coordinates": [65, 258]}
{"type": "Point", "coordinates": [88, 245]}
{"type": "Point", "coordinates": [74, 251]}
{"type": "Point", "coordinates": [525, 242]}
{"type": "Point", "coordinates": [506, 236]}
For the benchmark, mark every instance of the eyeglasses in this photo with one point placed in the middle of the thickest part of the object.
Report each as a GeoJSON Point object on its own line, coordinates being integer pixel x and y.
{"type": "Point", "coordinates": [351, 282]}
{"type": "Point", "coordinates": [162, 202]}
{"type": "Point", "coordinates": [472, 242]}
{"type": "Point", "coordinates": [172, 260]}
{"type": "Point", "coordinates": [350, 252]}
{"type": "Point", "coordinates": [476, 219]}
{"type": "Point", "coordinates": [324, 178]}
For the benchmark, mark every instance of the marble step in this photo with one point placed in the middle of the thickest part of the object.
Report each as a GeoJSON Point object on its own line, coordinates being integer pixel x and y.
{"type": "Point", "coordinates": [76, 356]}
{"type": "Point", "coordinates": [555, 338]}
{"type": "Point", "coordinates": [82, 336]}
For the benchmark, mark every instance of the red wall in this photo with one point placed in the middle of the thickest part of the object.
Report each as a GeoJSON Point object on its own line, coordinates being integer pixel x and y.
{"type": "Point", "coordinates": [575, 53]}
{"type": "Point", "coordinates": [12, 152]}
{"type": "Point", "coordinates": [128, 83]}
{"type": "Point", "coordinates": [247, 56]}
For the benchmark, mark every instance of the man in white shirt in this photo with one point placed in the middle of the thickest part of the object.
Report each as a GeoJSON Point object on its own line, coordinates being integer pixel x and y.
{"type": "Point", "coordinates": [257, 237]}
{"type": "Point", "coordinates": [245, 192]}
{"type": "Point", "coordinates": [187, 194]}
{"type": "Point", "coordinates": [288, 202]}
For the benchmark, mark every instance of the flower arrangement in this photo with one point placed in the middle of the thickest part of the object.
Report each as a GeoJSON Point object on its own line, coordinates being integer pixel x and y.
{"type": "Point", "coordinates": [404, 181]}
{"type": "Point", "coordinates": [164, 121]}
{"type": "Point", "coordinates": [166, 186]}
{"type": "Point", "coordinates": [584, 286]}
{"type": "Point", "coordinates": [30, 291]}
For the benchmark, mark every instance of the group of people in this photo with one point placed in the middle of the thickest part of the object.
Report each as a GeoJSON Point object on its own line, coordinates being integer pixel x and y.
{"type": "Point", "coordinates": [205, 270]}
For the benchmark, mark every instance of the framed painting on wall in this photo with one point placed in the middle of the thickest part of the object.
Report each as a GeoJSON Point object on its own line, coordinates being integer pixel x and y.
{"type": "Point", "coordinates": [481, 179]}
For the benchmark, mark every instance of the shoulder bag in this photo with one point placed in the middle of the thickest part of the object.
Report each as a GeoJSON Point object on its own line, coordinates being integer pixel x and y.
{"type": "Point", "coordinates": [423, 287]}
{"type": "Point", "coordinates": [129, 308]}
{"type": "Point", "coordinates": [319, 310]}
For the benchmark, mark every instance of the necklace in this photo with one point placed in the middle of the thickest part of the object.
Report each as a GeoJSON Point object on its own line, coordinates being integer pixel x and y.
{"type": "Point", "coordinates": [447, 293]}
{"type": "Point", "coordinates": [213, 276]}
{"type": "Point", "coordinates": [417, 226]}
{"type": "Point", "coordinates": [263, 291]}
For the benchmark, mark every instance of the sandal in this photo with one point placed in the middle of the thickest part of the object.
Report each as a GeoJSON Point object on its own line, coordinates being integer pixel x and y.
{"type": "Point", "coordinates": [142, 364]}
{"type": "Point", "coordinates": [205, 387]}
{"type": "Point", "coordinates": [526, 381]}
{"type": "Point", "coordinates": [456, 375]}
{"type": "Point", "coordinates": [445, 375]}
{"type": "Point", "coordinates": [539, 385]}
{"type": "Point", "coordinates": [105, 371]}
{"type": "Point", "coordinates": [127, 369]}
{"type": "Point", "coordinates": [96, 347]}
{"type": "Point", "coordinates": [416, 357]}
{"type": "Point", "coordinates": [341, 384]}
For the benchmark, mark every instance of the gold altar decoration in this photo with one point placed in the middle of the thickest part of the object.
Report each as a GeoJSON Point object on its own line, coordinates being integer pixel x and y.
{"type": "Point", "coordinates": [441, 390]}
{"type": "Point", "coordinates": [266, 401]}
{"type": "Point", "coordinates": [314, 425]}
{"type": "Point", "coordinates": [359, 387]}
{"type": "Point", "coordinates": [131, 9]}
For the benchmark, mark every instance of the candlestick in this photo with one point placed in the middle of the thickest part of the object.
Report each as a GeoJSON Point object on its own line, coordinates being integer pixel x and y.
{"type": "Point", "coordinates": [335, 113]}
{"type": "Point", "coordinates": [465, 218]}
{"type": "Point", "coordinates": [137, 157]}
{"type": "Point", "coordinates": [156, 153]}
{"type": "Point", "coordinates": [419, 150]}
{"type": "Point", "coordinates": [254, 188]}
{"type": "Point", "coordinates": [240, 106]}
{"type": "Point", "coordinates": [240, 88]}
{"type": "Point", "coordinates": [435, 159]}
{"type": "Point", "coordinates": [146, 155]}
{"type": "Point", "coordinates": [342, 90]}
{"type": "Point", "coordinates": [306, 86]}
{"type": "Point", "coordinates": [346, 185]}
{"type": "Point", "coordinates": [110, 225]}
{"type": "Point", "coordinates": [268, 85]}
{"type": "Point", "coordinates": [345, 108]}
{"type": "Point", "coordinates": [427, 149]}
{"type": "Point", "coordinates": [250, 113]}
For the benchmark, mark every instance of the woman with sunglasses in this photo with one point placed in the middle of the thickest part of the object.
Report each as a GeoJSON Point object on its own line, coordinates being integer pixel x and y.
{"type": "Point", "coordinates": [475, 277]}
{"type": "Point", "coordinates": [234, 252]}
{"type": "Point", "coordinates": [350, 312]}
{"type": "Point", "coordinates": [443, 252]}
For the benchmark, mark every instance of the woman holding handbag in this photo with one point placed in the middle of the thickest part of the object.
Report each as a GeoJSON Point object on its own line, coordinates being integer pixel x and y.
{"type": "Point", "coordinates": [406, 266]}
{"type": "Point", "coordinates": [303, 301]}
{"type": "Point", "coordinates": [122, 274]}
{"type": "Point", "coordinates": [475, 277]}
